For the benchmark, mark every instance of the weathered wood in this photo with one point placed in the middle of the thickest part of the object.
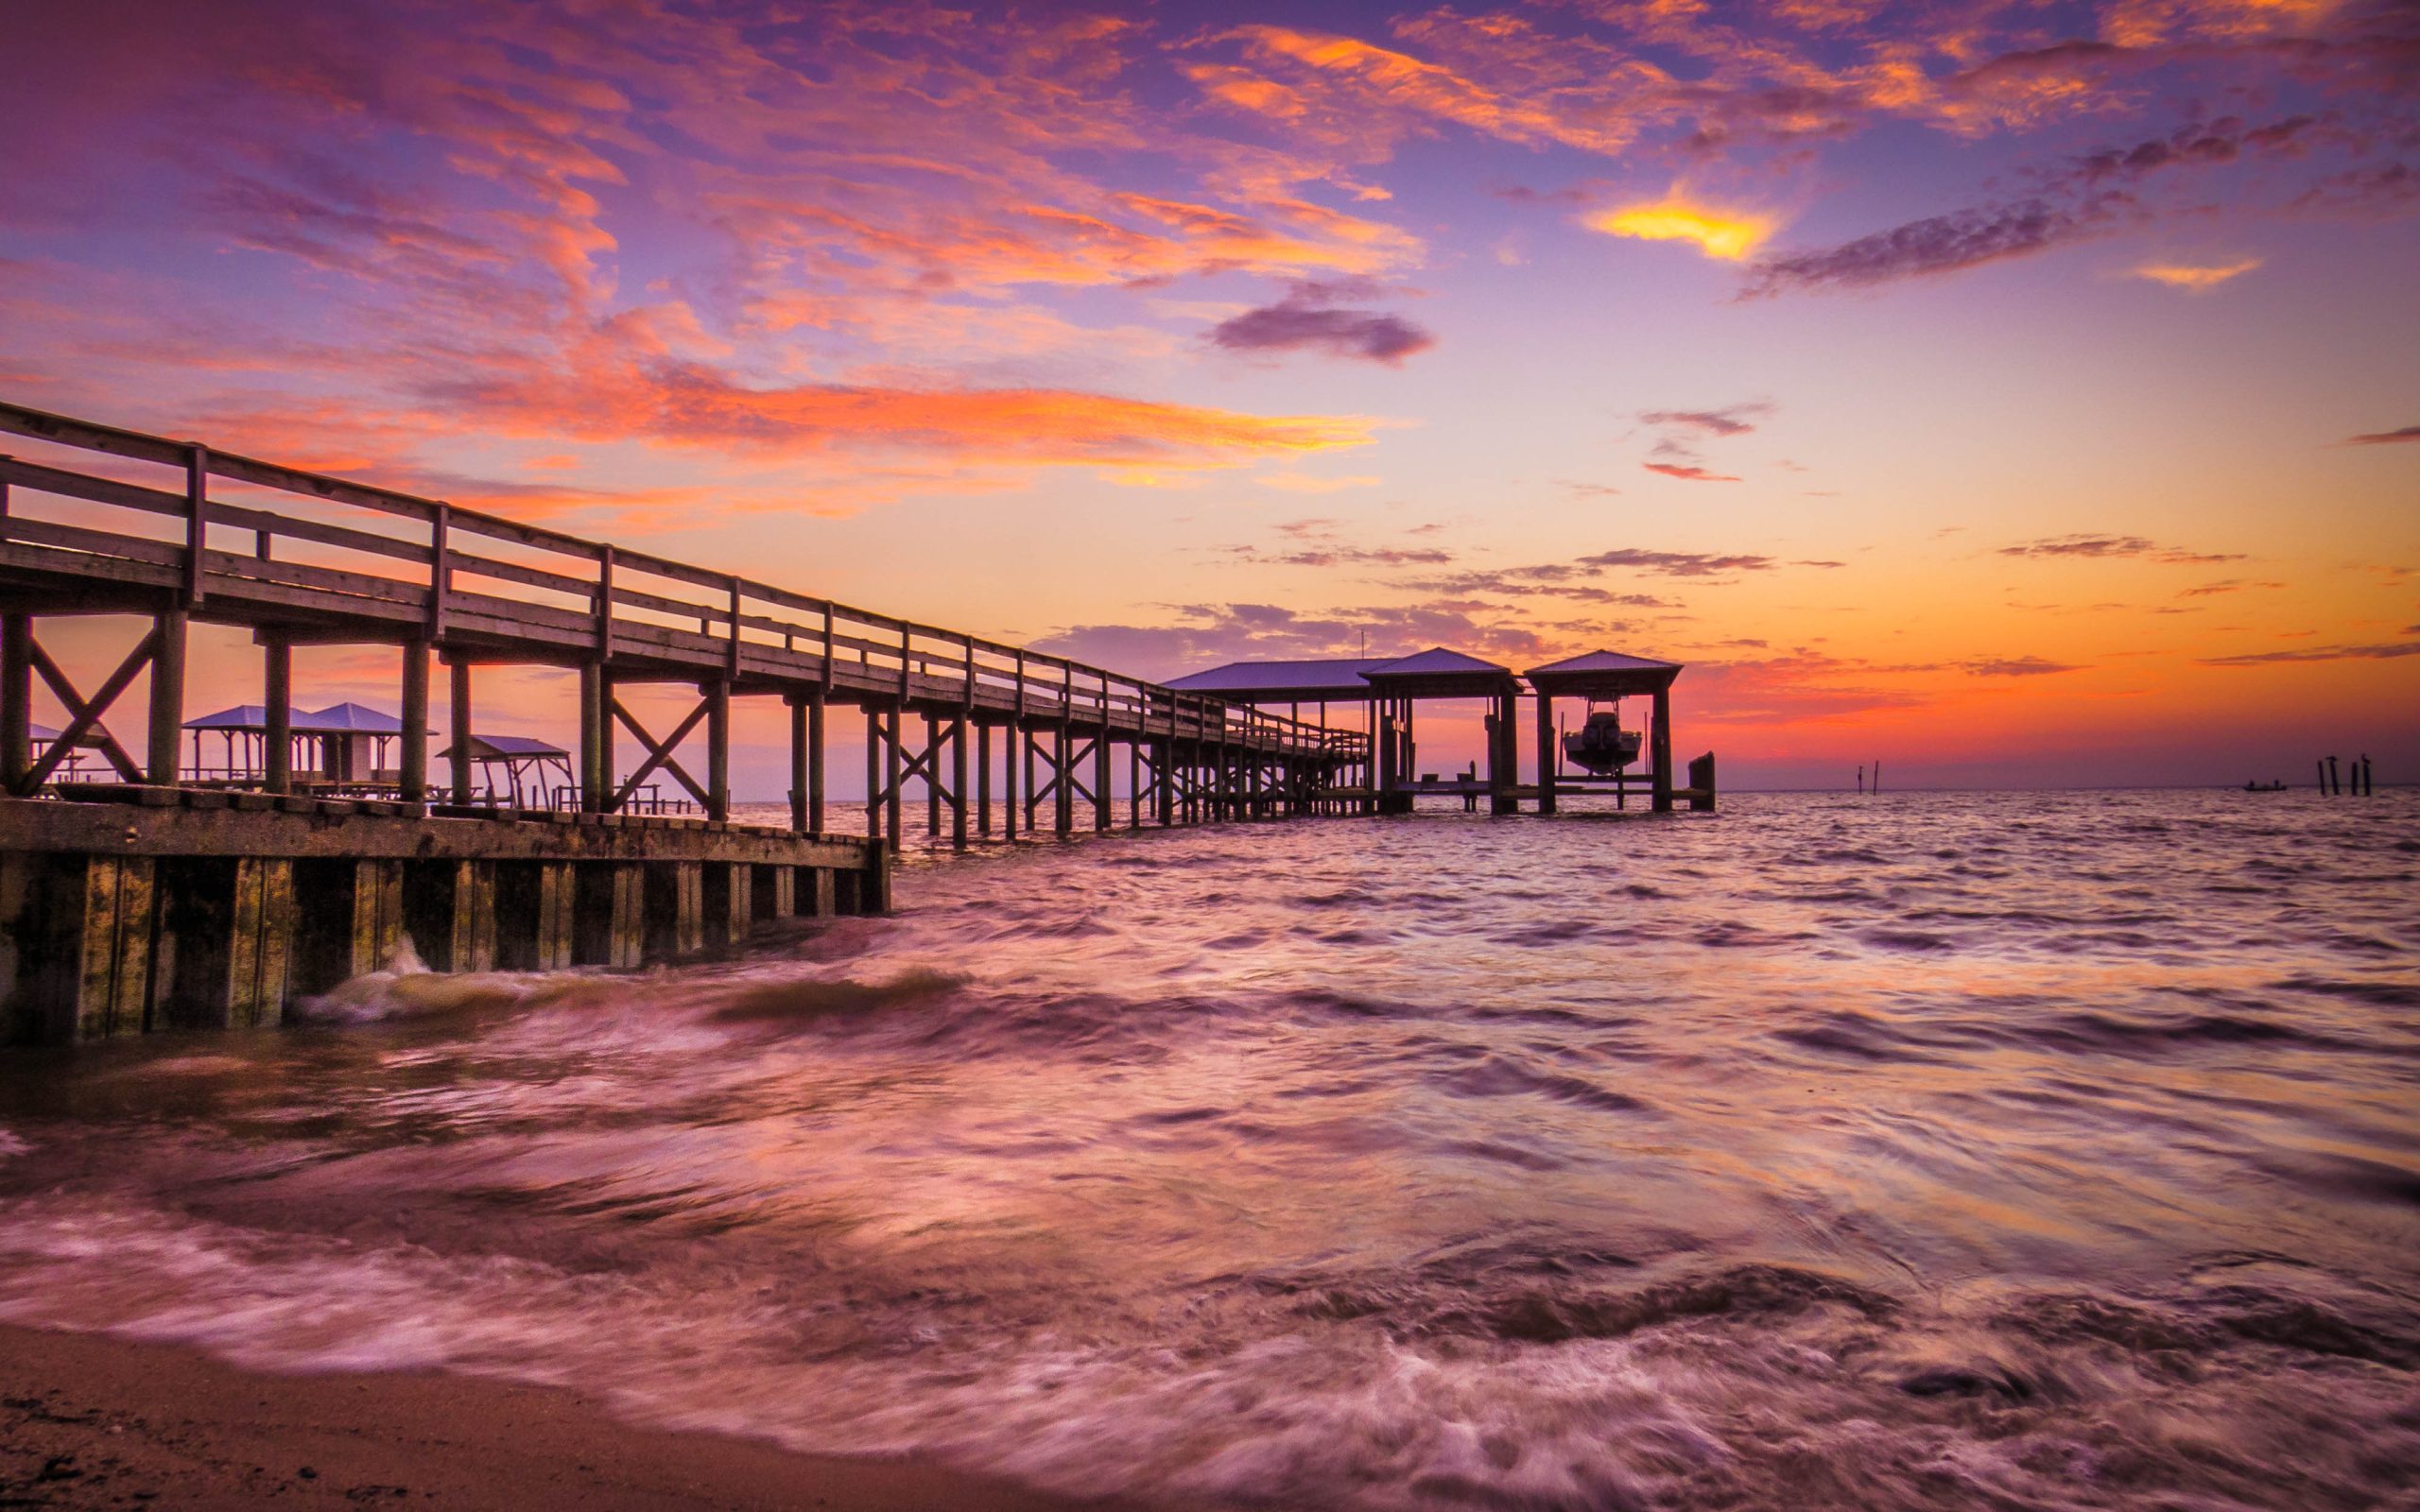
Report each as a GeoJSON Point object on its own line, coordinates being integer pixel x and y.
{"type": "Point", "coordinates": [1659, 742]}
{"type": "Point", "coordinates": [167, 703]}
{"type": "Point", "coordinates": [261, 942]}
{"type": "Point", "coordinates": [413, 754]}
{"type": "Point", "coordinates": [16, 702]}
{"type": "Point", "coordinates": [458, 679]}
{"type": "Point", "coordinates": [277, 714]}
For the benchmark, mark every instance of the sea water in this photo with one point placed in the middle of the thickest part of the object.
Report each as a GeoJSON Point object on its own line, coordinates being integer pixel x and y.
{"type": "Point", "coordinates": [2039, 1150]}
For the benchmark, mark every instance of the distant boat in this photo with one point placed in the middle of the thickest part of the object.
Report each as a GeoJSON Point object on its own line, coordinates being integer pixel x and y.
{"type": "Point", "coordinates": [2264, 787]}
{"type": "Point", "coordinates": [1601, 746]}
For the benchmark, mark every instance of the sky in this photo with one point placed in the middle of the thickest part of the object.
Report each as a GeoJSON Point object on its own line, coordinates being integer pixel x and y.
{"type": "Point", "coordinates": [2013, 393]}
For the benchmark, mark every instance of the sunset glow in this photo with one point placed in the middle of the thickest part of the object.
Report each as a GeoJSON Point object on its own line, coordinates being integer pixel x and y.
{"type": "Point", "coordinates": [1785, 342]}
{"type": "Point", "coordinates": [1730, 237]}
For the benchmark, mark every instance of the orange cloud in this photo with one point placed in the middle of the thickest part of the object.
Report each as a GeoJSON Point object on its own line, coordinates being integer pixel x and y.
{"type": "Point", "coordinates": [2196, 279]}
{"type": "Point", "coordinates": [1728, 234]}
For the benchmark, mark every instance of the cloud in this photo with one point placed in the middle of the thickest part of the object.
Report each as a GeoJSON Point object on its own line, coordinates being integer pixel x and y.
{"type": "Point", "coordinates": [1302, 320]}
{"type": "Point", "coordinates": [2090, 545]}
{"type": "Point", "coordinates": [2393, 438]}
{"type": "Point", "coordinates": [2022, 666]}
{"type": "Point", "coordinates": [1936, 244]}
{"type": "Point", "coordinates": [1318, 542]}
{"type": "Point", "coordinates": [2380, 651]}
{"type": "Point", "coordinates": [2075, 198]}
{"type": "Point", "coordinates": [2194, 278]}
{"type": "Point", "coordinates": [1579, 489]}
{"type": "Point", "coordinates": [1726, 235]}
{"type": "Point", "coordinates": [1679, 563]}
{"type": "Point", "coordinates": [1687, 472]}
{"type": "Point", "coordinates": [2224, 585]}
{"type": "Point", "coordinates": [1548, 581]}
{"type": "Point", "coordinates": [1732, 419]}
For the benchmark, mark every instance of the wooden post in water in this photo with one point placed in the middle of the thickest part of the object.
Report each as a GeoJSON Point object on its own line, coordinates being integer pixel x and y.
{"type": "Point", "coordinates": [932, 777]}
{"type": "Point", "coordinates": [799, 822]}
{"type": "Point", "coordinates": [1100, 765]}
{"type": "Point", "coordinates": [957, 781]}
{"type": "Point", "coordinates": [874, 774]}
{"type": "Point", "coordinates": [894, 821]}
{"type": "Point", "coordinates": [1660, 741]}
{"type": "Point", "coordinates": [1012, 741]}
{"type": "Point", "coordinates": [1064, 766]}
{"type": "Point", "coordinates": [166, 730]}
{"type": "Point", "coordinates": [413, 778]}
{"type": "Point", "coordinates": [983, 781]}
{"type": "Point", "coordinates": [1549, 751]}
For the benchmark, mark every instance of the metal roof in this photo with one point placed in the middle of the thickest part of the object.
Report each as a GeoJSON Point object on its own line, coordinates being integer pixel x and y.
{"type": "Point", "coordinates": [1605, 673]}
{"type": "Point", "coordinates": [486, 746]}
{"type": "Point", "coordinates": [1248, 680]}
{"type": "Point", "coordinates": [336, 720]}
{"type": "Point", "coordinates": [350, 718]}
{"type": "Point", "coordinates": [1438, 661]}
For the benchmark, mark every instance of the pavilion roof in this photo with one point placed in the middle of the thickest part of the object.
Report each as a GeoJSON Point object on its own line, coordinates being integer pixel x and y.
{"type": "Point", "coordinates": [1603, 674]}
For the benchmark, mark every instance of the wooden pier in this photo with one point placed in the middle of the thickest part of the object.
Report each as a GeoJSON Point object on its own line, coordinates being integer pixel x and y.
{"type": "Point", "coordinates": [206, 896]}
{"type": "Point", "coordinates": [155, 901]}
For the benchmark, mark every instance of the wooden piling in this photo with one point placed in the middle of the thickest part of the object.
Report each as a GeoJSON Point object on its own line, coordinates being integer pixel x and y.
{"type": "Point", "coordinates": [412, 780]}
{"type": "Point", "coordinates": [458, 717]}
{"type": "Point", "coordinates": [167, 708]}
{"type": "Point", "coordinates": [717, 694]}
{"type": "Point", "coordinates": [16, 700]}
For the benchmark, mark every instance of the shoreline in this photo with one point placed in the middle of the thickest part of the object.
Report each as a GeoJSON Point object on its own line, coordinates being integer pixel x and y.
{"type": "Point", "coordinates": [92, 1420]}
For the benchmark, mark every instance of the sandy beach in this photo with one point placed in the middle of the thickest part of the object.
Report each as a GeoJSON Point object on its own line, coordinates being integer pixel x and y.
{"type": "Point", "coordinates": [91, 1422]}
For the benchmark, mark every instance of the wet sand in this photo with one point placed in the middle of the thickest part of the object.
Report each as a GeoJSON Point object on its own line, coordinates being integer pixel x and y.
{"type": "Point", "coordinates": [91, 1422]}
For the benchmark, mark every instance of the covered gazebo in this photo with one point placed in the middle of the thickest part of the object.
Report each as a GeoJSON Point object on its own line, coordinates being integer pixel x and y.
{"type": "Point", "coordinates": [515, 767]}
{"type": "Point", "coordinates": [343, 745]}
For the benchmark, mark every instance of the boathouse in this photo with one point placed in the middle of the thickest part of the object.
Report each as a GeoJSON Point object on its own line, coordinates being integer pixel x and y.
{"type": "Point", "coordinates": [1382, 696]}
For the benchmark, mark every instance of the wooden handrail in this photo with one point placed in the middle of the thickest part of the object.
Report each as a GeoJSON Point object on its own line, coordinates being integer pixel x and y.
{"type": "Point", "coordinates": [1042, 685]}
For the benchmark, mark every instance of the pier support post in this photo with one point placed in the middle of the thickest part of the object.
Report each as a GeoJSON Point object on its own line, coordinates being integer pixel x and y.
{"type": "Point", "coordinates": [896, 802]}
{"type": "Point", "coordinates": [166, 741]}
{"type": "Point", "coordinates": [1101, 778]}
{"type": "Point", "coordinates": [874, 773]}
{"type": "Point", "coordinates": [815, 794]}
{"type": "Point", "coordinates": [458, 723]}
{"type": "Point", "coordinates": [1549, 753]}
{"type": "Point", "coordinates": [1013, 742]}
{"type": "Point", "coordinates": [16, 700]}
{"type": "Point", "coordinates": [1660, 742]}
{"type": "Point", "coordinates": [1063, 768]}
{"type": "Point", "coordinates": [413, 778]}
{"type": "Point", "coordinates": [277, 714]}
{"type": "Point", "coordinates": [1163, 782]}
{"type": "Point", "coordinates": [717, 694]}
{"type": "Point", "coordinates": [958, 782]}
{"type": "Point", "coordinates": [982, 780]}
{"type": "Point", "coordinates": [596, 725]}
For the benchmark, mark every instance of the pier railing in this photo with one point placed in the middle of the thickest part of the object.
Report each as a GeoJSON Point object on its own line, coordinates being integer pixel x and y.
{"type": "Point", "coordinates": [241, 540]}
